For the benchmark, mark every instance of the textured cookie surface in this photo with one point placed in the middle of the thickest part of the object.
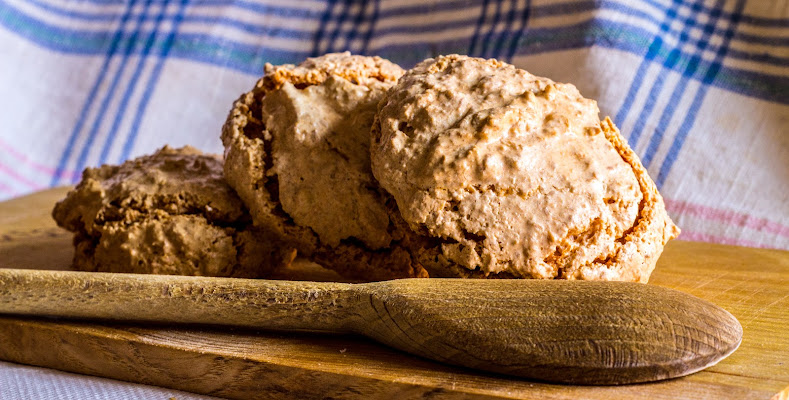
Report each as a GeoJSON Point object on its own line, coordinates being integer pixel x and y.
{"type": "Point", "coordinates": [297, 153]}
{"type": "Point", "coordinates": [167, 213]}
{"type": "Point", "coordinates": [502, 173]}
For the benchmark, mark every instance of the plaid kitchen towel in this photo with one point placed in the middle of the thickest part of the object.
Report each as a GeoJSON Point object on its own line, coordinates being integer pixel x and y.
{"type": "Point", "coordinates": [700, 88]}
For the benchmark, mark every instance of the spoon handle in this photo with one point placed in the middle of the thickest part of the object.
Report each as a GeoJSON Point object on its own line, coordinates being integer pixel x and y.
{"type": "Point", "coordinates": [266, 304]}
{"type": "Point", "coordinates": [572, 332]}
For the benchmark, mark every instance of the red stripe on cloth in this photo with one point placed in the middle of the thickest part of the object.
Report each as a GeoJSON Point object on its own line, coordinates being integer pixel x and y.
{"type": "Point", "coordinates": [49, 171]}
{"type": "Point", "coordinates": [20, 178]}
{"type": "Point", "coordinates": [703, 237]}
{"type": "Point", "coordinates": [727, 216]}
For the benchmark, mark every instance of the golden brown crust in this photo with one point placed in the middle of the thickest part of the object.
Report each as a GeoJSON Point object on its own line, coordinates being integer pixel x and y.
{"type": "Point", "coordinates": [167, 213]}
{"type": "Point", "coordinates": [359, 70]}
{"type": "Point", "coordinates": [630, 256]}
{"type": "Point", "coordinates": [500, 172]}
{"type": "Point", "coordinates": [642, 244]}
{"type": "Point", "coordinates": [249, 169]}
{"type": "Point", "coordinates": [635, 253]}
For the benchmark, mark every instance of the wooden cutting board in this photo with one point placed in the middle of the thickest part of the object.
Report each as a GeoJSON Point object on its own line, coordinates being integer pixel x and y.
{"type": "Point", "coordinates": [753, 284]}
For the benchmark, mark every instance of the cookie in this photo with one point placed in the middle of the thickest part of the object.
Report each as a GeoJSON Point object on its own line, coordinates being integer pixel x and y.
{"type": "Point", "coordinates": [167, 213]}
{"type": "Point", "coordinates": [297, 153]}
{"type": "Point", "coordinates": [500, 173]}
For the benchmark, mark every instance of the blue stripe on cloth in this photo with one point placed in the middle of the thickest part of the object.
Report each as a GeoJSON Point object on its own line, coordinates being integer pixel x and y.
{"type": "Point", "coordinates": [614, 35]}
{"type": "Point", "coordinates": [260, 29]}
{"type": "Point", "coordinates": [763, 21]}
{"type": "Point", "coordinates": [358, 21]}
{"type": "Point", "coordinates": [768, 40]}
{"type": "Point", "coordinates": [506, 33]}
{"type": "Point", "coordinates": [754, 84]}
{"type": "Point", "coordinates": [763, 58]}
{"type": "Point", "coordinates": [64, 157]}
{"type": "Point", "coordinates": [321, 31]}
{"type": "Point", "coordinates": [116, 79]}
{"type": "Point", "coordinates": [486, 41]}
{"type": "Point", "coordinates": [654, 48]}
{"type": "Point", "coordinates": [571, 7]}
{"type": "Point", "coordinates": [751, 20]}
{"type": "Point", "coordinates": [516, 42]}
{"type": "Point", "coordinates": [250, 58]}
{"type": "Point", "coordinates": [256, 29]}
{"type": "Point", "coordinates": [690, 117]}
{"type": "Point", "coordinates": [131, 85]}
{"type": "Point", "coordinates": [154, 79]}
{"type": "Point", "coordinates": [265, 9]}
{"type": "Point", "coordinates": [426, 8]}
{"type": "Point", "coordinates": [238, 56]}
{"type": "Point", "coordinates": [536, 13]}
{"type": "Point", "coordinates": [654, 93]}
{"type": "Point", "coordinates": [679, 89]}
{"type": "Point", "coordinates": [477, 29]}
{"type": "Point", "coordinates": [373, 23]}
{"type": "Point", "coordinates": [557, 8]}
{"type": "Point", "coordinates": [59, 9]}
{"type": "Point", "coordinates": [338, 23]}
{"type": "Point", "coordinates": [261, 9]}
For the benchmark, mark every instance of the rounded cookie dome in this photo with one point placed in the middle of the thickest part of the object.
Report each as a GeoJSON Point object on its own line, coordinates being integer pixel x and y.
{"type": "Point", "coordinates": [503, 173]}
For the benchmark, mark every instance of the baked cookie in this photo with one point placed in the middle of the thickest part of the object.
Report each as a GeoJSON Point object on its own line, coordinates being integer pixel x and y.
{"type": "Point", "coordinates": [500, 173]}
{"type": "Point", "coordinates": [167, 213]}
{"type": "Point", "coordinates": [297, 152]}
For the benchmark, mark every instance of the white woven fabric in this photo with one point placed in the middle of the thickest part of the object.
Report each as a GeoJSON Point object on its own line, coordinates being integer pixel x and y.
{"type": "Point", "coordinates": [22, 382]}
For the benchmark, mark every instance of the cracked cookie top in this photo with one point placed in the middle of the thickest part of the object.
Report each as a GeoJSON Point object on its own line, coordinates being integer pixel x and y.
{"type": "Point", "coordinates": [166, 213]}
{"type": "Point", "coordinates": [297, 152]}
{"type": "Point", "coordinates": [297, 149]}
{"type": "Point", "coordinates": [319, 147]}
{"type": "Point", "coordinates": [169, 182]}
{"type": "Point", "coordinates": [510, 172]}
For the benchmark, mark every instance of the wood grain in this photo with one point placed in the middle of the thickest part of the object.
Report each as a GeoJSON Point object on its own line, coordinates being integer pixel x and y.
{"type": "Point", "coordinates": [560, 331]}
{"type": "Point", "coordinates": [751, 283]}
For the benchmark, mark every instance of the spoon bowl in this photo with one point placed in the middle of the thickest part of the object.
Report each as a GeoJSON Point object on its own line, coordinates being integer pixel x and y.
{"type": "Point", "coordinates": [560, 331]}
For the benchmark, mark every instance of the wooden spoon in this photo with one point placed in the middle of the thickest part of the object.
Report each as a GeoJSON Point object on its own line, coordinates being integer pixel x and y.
{"type": "Point", "coordinates": [559, 331]}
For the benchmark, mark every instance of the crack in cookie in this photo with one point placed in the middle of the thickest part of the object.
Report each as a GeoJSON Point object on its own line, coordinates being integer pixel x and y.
{"type": "Point", "coordinates": [297, 153]}
{"type": "Point", "coordinates": [167, 213]}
